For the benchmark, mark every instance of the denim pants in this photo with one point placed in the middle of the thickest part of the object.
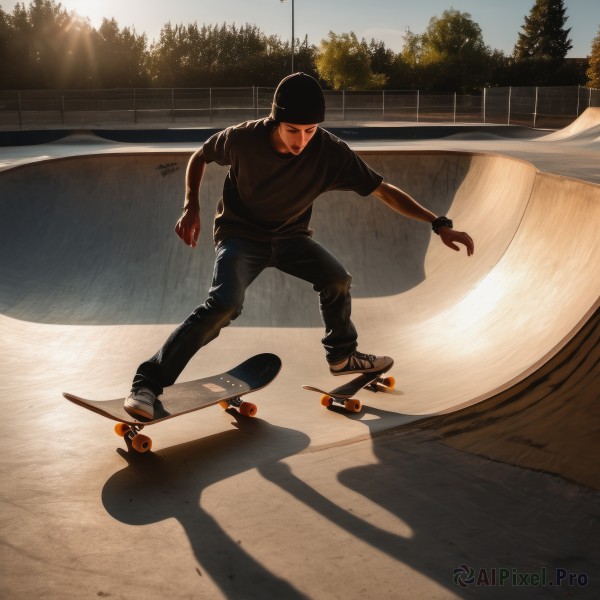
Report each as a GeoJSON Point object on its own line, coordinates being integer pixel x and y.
{"type": "Point", "coordinates": [238, 263]}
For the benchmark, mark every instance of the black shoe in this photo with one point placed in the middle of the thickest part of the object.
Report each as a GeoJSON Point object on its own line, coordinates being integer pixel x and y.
{"type": "Point", "coordinates": [362, 363]}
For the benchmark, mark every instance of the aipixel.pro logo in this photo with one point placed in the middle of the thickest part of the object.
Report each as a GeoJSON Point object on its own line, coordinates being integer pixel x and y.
{"type": "Point", "coordinates": [466, 576]}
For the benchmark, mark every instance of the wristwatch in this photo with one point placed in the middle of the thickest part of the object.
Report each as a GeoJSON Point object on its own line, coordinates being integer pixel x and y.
{"type": "Point", "coordinates": [441, 222]}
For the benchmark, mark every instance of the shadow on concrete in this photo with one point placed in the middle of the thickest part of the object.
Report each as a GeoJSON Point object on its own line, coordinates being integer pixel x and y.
{"type": "Point", "coordinates": [169, 484]}
{"type": "Point", "coordinates": [462, 510]}
{"type": "Point", "coordinates": [465, 510]}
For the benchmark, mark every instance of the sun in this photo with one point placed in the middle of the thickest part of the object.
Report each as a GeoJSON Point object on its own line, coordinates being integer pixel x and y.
{"type": "Point", "coordinates": [92, 10]}
{"type": "Point", "coordinates": [82, 7]}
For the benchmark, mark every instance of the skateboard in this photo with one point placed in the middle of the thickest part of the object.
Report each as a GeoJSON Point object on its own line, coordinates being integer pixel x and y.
{"type": "Point", "coordinates": [226, 389]}
{"type": "Point", "coordinates": [342, 395]}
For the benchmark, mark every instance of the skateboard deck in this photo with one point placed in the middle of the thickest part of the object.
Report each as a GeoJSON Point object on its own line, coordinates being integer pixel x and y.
{"type": "Point", "coordinates": [342, 395]}
{"type": "Point", "coordinates": [226, 388]}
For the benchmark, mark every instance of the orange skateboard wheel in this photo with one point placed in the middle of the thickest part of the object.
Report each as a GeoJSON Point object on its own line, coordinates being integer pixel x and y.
{"type": "Point", "coordinates": [326, 400]}
{"type": "Point", "coordinates": [353, 405]}
{"type": "Point", "coordinates": [388, 382]}
{"type": "Point", "coordinates": [141, 443]}
{"type": "Point", "coordinates": [122, 429]}
{"type": "Point", "coordinates": [224, 404]}
{"type": "Point", "coordinates": [248, 409]}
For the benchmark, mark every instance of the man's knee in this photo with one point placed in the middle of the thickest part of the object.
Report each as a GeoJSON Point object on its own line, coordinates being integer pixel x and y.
{"type": "Point", "coordinates": [336, 285]}
{"type": "Point", "coordinates": [220, 310]}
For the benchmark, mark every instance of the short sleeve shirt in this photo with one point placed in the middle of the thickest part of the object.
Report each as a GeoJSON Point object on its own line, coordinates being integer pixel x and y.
{"type": "Point", "coordinates": [269, 195]}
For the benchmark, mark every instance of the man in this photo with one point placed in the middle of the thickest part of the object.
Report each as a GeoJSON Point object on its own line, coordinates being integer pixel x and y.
{"type": "Point", "coordinates": [277, 168]}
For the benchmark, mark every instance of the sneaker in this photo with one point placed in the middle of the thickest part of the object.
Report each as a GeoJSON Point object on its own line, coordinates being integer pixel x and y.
{"type": "Point", "coordinates": [361, 363]}
{"type": "Point", "coordinates": [140, 403]}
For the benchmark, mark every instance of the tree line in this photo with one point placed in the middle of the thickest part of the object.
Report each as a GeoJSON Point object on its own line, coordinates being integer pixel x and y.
{"type": "Point", "coordinates": [42, 46]}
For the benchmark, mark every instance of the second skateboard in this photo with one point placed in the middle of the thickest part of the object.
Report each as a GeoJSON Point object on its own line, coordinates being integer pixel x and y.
{"type": "Point", "coordinates": [342, 395]}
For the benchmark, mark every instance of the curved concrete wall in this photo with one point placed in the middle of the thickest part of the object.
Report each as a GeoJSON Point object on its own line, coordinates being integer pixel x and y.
{"type": "Point", "coordinates": [89, 241]}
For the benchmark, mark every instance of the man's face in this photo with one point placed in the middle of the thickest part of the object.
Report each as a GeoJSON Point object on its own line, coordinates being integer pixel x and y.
{"type": "Point", "coordinates": [291, 138]}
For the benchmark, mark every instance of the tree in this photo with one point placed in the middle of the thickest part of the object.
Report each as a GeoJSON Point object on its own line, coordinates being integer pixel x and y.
{"type": "Point", "coordinates": [304, 59]}
{"type": "Point", "coordinates": [40, 44]}
{"type": "Point", "coordinates": [44, 47]}
{"type": "Point", "coordinates": [345, 63]}
{"type": "Point", "coordinates": [382, 59]}
{"type": "Point", "coordinates": [540, 52]}
{"type": "Point", "coordinates": [593, 72]}
{"type": "Point", "coordinates": [544, 35]}
{"type": "Point", "coordinates": [6, 47]}
{"type": "Point", "coordinates": [450, 55]}
{"type": "Point", "coordinates": [120, 56]}
{"type": "Point", "coordinates": [214, 55]}
{"type": "Point", "coordinates": [454, 34]}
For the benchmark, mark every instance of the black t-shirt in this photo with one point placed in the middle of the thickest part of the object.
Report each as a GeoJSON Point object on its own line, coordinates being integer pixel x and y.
{"type": "Point", "coordinates": [268, 195]}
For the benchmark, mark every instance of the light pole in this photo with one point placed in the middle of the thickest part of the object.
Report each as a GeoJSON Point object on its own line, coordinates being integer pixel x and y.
{"type": "Point", "coordinates": [293, 34]}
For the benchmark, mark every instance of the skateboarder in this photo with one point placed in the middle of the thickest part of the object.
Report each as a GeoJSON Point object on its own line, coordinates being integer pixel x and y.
{"type": "Point", "coordinates": [278, 166]}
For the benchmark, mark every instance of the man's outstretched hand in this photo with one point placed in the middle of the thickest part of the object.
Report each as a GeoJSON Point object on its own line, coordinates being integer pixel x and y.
{"type": "Point", "coordinates": [188, 227]}
{"type": "Point", "coordinates": [451, 238]}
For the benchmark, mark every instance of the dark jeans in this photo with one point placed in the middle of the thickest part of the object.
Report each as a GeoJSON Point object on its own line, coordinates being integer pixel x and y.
{"type": "Point", "coordinates": [238, 264]}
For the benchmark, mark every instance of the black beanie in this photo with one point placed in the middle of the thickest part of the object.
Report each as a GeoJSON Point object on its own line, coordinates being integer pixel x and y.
{"type": "Point", "coordinates": [298, 99]}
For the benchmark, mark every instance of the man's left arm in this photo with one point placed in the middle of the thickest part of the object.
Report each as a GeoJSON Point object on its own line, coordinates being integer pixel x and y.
{"type": "Point", "coordinates": [407, 206]}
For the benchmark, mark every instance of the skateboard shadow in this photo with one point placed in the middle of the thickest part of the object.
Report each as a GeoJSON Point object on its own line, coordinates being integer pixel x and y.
{"type": "Point", "coordinates": [460, 509]}
{"type": "Point", "coordinates": [169, 485]}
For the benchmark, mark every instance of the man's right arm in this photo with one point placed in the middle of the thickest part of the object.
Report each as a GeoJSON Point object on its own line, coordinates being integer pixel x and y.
{"type": "Point", "coordinates": [188, 226]}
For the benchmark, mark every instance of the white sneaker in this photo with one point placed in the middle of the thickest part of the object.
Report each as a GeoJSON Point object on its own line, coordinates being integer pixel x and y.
{"type": "Point", "coordinates": [362, 363]}
{"type": "Point", "coordinates": [140, 403]}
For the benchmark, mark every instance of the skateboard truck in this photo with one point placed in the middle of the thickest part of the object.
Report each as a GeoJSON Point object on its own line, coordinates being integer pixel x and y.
{"type": "Point", "coordinates": [133, 437]}
{"type": "Point", "coordinates": [245, 408]}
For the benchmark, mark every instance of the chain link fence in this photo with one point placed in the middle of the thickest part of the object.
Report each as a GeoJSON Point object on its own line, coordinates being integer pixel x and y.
{"type": "Point", "coordinates": [543, 107]}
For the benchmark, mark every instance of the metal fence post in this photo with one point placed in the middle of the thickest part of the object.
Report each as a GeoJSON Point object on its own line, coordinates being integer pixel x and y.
{"type": "Point", "coordinates": [134, 107]}
{"type": "Point", "coordinates": [509, 103]}
{"type": "Point", "coordinates": [383, 104]}
{"type": "Point", "coordinates": [418, 103]}
{"type": "Point", "coordinates": [343, 105]}
{"type": "Point", "coordinates": [483, 107]}
{"type": "Point", "coordinates": [535, 108]}
{"type": "Point", "coordinates": [20, 109]}
{"type": "Point", "coordinates": [455, 107]}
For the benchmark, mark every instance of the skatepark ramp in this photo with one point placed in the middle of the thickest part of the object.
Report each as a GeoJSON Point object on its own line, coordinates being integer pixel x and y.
{"type": "Point", "coordinates": [88, 241]}
{"type": "Point", "coordinates": [584, 129]}
{"type": "Point", "coordinates": [497, 354]}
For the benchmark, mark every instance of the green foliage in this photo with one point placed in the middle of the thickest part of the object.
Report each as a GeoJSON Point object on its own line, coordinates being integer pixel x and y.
{"type": "Point", "coordinates": [544, 35]}
{"type": "Point", "coordinates": [213, 55]}
{"type": "Point", "coordinates": [450, 54]}
{"type": "Point", "coordinates": [452, 35]}
{"type": "Point", "coordinates": [45, 47]}
{"type": "Point", "coordinates": [540, 52]}
{"type": "Point", "coordinates": [345, 63]}
{"type": "Point", "coordinates": [119, 57]}
{"type": "Point", "coordinates": [593, 72]}
{"type": "Point", "coordinates": [42, 46]}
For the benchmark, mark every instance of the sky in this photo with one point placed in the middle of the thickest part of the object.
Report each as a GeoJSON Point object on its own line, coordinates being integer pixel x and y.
{"type": "Point", "coordinates": [384, 20]}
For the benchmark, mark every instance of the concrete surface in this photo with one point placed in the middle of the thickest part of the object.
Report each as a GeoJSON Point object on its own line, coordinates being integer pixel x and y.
{"type": "Point", "coordinates": [484, 458]}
